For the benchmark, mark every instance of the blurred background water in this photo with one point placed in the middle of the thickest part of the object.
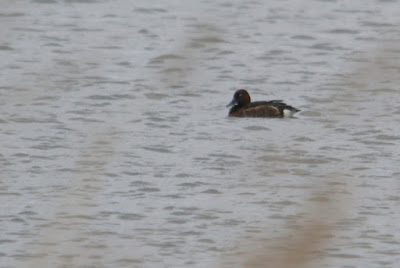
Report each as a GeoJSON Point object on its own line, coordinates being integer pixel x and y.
{"type": "Point", "coordinates": [116, 148]}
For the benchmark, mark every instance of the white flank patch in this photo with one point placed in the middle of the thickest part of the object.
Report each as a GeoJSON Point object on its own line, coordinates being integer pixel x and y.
{"type": "Point", "coordinates": [288, 113]}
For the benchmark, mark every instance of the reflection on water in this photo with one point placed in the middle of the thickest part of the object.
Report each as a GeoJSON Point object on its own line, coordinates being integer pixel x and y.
{"type": "Point", "coordinates": [117, 149]}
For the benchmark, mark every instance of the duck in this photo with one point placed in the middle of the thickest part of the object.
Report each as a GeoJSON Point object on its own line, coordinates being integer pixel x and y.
{"type": "Point", "coordinates": [243, 107]}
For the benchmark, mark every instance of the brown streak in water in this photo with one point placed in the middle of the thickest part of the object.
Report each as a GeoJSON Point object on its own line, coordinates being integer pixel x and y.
{"type": "Point", "coordinates": [297, 248]}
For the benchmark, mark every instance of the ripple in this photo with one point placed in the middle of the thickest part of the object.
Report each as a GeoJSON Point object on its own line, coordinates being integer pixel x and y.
{"type": "Point", "coordinates": [192, 184]}
{"type": "Point", "coordinates": [206, 240]}
{"type": "Point", "coordinates": [257, 128]}
{"type": "Point", "coordinates": [388, 137]}
{"type": "Point", "coordinates": [140, 183]}
{"type": "Point", "coordinates": [343, 31]}
{"type": "Point", "coordinates": [344, 256]}
{"type": "Point", "coordinates": [208, 39]}
{"type": "Point", "coordinates": [5, 47]}
{"type": "Point", "coordinates": [303, 37]}
{"type": "Point", "coordinates": [149, 10]}
{"type": "Point", "coordinates": [165, 57]}
{"type": "Point", "coordinates": [111, 97]}
{"type": "Point", "coordinates": [158, 149]}
{"type": "Point", "coordinates": [206, 217]}
{"type": "Point", "coordinates": [376, 24]}
{"type": "Point", "coordinates": [211, 191]}
{"type": "Point", "coordinates": [149, 189]}
{"type": "Point", "coordinates": [6, 241]}
{"type": "Point", "coordinates": [156, 96]}
{"type": "Point", "coordinates": [130, 216]}
{"type": "Point", "coordinates": [14, 14]}
{"type": "Point", "coordinates": [126, 262]}
{"type": "Point", "coordinates": [325, 46]}
{"type": "Point", "coordinates": [9, 194]}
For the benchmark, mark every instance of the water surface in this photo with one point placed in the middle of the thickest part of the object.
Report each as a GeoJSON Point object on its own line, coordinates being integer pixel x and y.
{"type": "Point", "coordinates": [117, 149]}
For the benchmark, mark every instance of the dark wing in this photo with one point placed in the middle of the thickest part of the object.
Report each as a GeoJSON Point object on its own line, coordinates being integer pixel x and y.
{"type": "Point", "coordinates": [279, 104]}
{"type": "Point", "coordinates": [272, 103]}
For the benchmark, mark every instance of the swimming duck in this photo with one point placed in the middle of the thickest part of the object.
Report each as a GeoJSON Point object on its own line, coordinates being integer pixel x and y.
{"type": "Point", "coordinates": [243, 107]}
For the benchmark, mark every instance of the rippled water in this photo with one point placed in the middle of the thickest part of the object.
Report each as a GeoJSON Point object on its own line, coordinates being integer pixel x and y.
{"type": "Point", "coordinates": [117, 149]}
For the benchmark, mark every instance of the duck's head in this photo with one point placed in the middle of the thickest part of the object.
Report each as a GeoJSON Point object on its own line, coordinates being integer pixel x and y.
{"type": "Point", "coordinates": [240, 98]}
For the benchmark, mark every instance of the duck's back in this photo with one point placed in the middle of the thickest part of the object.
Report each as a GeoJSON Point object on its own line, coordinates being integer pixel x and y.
{"type": "Point", "coordinates": [274, 103]}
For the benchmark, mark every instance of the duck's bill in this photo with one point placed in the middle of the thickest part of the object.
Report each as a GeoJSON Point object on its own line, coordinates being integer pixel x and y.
{"type": "Point", "coordinates": [233, 102]}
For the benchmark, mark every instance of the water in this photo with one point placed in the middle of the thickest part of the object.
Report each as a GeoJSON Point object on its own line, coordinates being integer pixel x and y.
{"type": "Point", "coordinates": [117, 149]}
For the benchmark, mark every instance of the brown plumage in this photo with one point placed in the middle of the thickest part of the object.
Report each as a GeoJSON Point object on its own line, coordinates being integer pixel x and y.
{"type": "Point", "coordinates": [243, 107]}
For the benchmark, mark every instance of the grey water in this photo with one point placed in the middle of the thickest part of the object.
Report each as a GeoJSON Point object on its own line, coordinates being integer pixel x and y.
{"type": "Point", "coordinates": [116, 148]}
